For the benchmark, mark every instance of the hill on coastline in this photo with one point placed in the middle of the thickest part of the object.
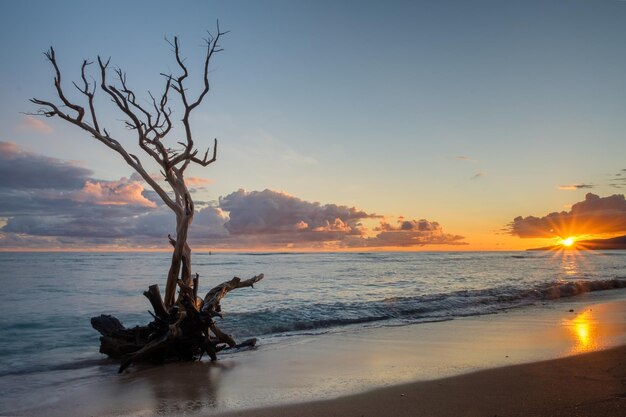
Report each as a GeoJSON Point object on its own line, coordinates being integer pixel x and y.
{"type": "Point", "coordinates": [613, 243]}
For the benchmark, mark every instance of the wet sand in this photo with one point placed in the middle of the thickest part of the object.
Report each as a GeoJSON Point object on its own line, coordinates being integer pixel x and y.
{"type": "Point", "coordinates": [348, 369]}
{"type": "Point", "coordinates": [592, 384]}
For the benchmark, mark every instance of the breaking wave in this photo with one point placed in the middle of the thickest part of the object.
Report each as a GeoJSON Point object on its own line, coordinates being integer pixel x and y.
{"type": "Point", "coordinates": [433, 307]}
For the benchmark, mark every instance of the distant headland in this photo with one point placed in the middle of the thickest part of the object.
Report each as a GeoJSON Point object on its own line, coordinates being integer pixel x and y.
{"type": "Point", "coordinates": [614, 243]}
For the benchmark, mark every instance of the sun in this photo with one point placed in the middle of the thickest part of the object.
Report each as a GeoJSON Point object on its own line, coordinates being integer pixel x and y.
{"type": "Point", "coordinates": [567, 242]}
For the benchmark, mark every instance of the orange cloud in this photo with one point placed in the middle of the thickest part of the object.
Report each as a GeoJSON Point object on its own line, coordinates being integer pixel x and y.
{"type": "Point", "coordinates": [336, 226]}
{"type": "Point", "coordinates": [571, 187]}
{"type": "Point", "coordinates": [117, 193]}
{"type": "Point", "coordinates": [10, 150]}
{"type": "Point", "coordinates": [34, 124]}
{"type": "Point", "coordinates": [409, 233]}
{"type": "Point", "coordinates": [197, 181]}
{"type": "Point", "coordinates": [594, 215]}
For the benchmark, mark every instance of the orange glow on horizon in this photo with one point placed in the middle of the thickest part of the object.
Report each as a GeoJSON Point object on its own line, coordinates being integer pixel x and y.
{"type": "Point", "coordinates": [476, 242]}
{"type": "Point", "coordinates": [512, 244]}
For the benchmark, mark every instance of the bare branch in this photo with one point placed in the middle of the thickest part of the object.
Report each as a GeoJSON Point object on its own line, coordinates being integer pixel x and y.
{"type": "Point", "coordinates": [50, 109]}
{"type": "Point", "coordinates": [57, 83]}
{"type": "Point", "coordinates": [204, 161]}
{"type": "Point", "coordinates": [89, 94]}
{"type": "Point", "coordinates": [212, 47]}
{"type": "Point", "coordinates": [152, 123]}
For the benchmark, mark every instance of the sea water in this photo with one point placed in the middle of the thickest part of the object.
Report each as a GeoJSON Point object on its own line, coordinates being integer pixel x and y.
{"type": "Point", "coordinates": [48, 298]}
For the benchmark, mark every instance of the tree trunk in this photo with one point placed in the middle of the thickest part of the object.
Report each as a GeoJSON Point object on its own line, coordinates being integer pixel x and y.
{"type": "Point", "coordinates": [182, 252]}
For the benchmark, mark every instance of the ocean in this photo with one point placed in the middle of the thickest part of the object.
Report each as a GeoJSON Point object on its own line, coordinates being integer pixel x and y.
{"type": "Point", "coordinates": [48, 298]}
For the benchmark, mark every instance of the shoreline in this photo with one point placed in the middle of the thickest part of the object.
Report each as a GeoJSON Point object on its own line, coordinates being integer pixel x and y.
{"type": "Point", "coordinates": [300, 371]}
{"type": "Point", "coordinates": [589, 384]}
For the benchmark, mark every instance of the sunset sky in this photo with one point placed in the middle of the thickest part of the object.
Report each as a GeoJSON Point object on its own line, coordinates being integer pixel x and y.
{"type": "Point", "coordinates": [417, 125]}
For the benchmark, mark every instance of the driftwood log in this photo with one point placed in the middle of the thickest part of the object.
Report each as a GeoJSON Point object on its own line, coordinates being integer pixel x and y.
{"type": "Point", "coordinates": [184, 332]}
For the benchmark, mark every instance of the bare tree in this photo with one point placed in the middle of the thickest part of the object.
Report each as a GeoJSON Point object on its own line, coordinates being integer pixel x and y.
{"type": "Point", "coordinates": [152, 124]}
{"type": "Point", "coordinates": [152, 121]}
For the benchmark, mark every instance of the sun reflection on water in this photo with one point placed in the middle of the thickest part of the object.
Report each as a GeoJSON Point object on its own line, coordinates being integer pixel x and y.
{"type": "Point", "coordinates": [569, 263]}
{"type": "Point", "coordinates": [574, 263]}
{"type": "Point", "coordinates": [583, 329]}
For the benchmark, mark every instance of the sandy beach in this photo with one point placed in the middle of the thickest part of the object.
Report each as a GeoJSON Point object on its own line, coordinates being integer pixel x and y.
{"type": "Point", "coordinates": [481, 365]}
{"type": "Point", "coordinates": [591, 384]}
{"type": "Point", "coordinates": [579, 384]}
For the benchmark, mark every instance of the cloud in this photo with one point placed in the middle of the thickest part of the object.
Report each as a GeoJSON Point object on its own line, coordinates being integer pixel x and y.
{"type": "Point", "coordinates": [22, 169]}
{"type": "Point", "coordinates": [575, 186]}
{"type": "Point", "coordinates": [45, 199]}
{"type": "Point", "coordinates": [409, 233]}
{"type": "Point", "coordinates": [618, 181]}
{"type": "Point", "coordinates": [9, 150]}
{"type": "Point", "coordinates": [154, 175]}
{"type": "Point", "coordinates": [594, 215]}
{"type": "Point", "coordinates": [209, 223]}
{"type": "Point", "coordinates": [273, 212]}
{"type": "Point", "coordinates": [197, 182]}
{"type": "Point", "coordinates": [464, 158]}
{"type": "Point", "coordinates": [120, 192]}
{"type": "Point", "coordinates": [193, 183]}
{"type": "Point", "coordinates": [271, 219]}
{"type": "Point", "coordinates": [409, 226]}
{"type": "Point", "coordinates": [49, 203]}
{"type": "Point", "coordinates": [33, 124]}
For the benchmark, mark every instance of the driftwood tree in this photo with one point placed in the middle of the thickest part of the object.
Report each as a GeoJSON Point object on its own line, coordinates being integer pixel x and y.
{"type": "Point", "coordinates": [183, 326]}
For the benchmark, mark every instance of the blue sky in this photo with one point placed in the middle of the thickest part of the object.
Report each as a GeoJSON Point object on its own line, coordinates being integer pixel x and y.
{"type": "Point", "coordinates": [468, 114]}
